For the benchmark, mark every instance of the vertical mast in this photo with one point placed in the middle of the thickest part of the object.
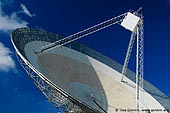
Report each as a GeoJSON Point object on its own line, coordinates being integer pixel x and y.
{"type": "Point", "coordinates": [134, 23]}
{"type": "Point", "coordinates": [139, 63]}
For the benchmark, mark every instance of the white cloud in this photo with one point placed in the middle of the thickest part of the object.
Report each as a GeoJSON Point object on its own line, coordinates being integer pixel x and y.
{"type": "Point", "coordinates": [6, 62]}
{"type": "Point", "coordinates": [26, 11]}
{"type": "Point", "coordinates": [7, 24]}
{"type": "Point", "coordinates": [10, 22]}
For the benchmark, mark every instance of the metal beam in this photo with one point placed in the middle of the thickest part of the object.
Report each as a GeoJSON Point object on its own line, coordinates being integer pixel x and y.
{"type": "Point", "coordinates": [83, 33]}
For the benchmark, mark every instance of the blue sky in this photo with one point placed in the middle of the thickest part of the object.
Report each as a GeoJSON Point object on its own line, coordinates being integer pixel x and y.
{"type": "Point", "coordinates": [65, 17]}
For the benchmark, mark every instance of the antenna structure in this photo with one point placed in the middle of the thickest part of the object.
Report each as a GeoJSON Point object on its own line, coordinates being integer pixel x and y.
{"type": "Point", "coordinates": [132, 21]}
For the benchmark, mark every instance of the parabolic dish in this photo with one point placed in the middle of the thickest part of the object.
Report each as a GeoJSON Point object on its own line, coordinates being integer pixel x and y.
{"type": "Point", "coordinates": [88, 77]}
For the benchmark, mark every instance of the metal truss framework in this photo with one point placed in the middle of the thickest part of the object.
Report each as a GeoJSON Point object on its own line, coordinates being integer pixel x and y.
{"type": "Point", "coordinates": [62, 101]}
{"type": "Point", "coordinates": [54, 96]}
{"type": "Point", "coordinates": [138, 35]}
{"type": "Point", "coordinates": [139, 64]}
{"type": "Point", "coordinates": [137, 32]}
{"type": "Point", "coordinates": [83, 33]}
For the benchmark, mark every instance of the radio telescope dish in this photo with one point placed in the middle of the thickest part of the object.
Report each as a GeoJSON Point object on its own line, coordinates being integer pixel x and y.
{"type": "Point", "coordinates": [76, 78]}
